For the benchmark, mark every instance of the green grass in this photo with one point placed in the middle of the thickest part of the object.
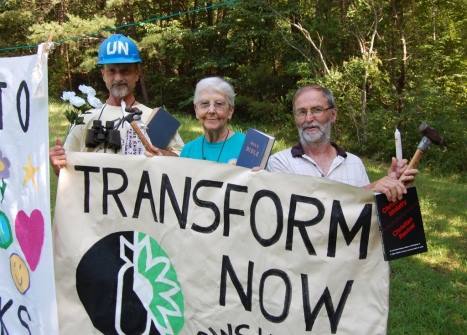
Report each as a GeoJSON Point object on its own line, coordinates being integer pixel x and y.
{"type": "Point", "coordinates": [428, 291]}
{"type": "Point", "coordinates": [58, 126]}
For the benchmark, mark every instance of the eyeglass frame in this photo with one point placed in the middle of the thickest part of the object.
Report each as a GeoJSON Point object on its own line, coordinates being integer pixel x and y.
{"type": "Point", "coordinates": [316, 111]}
{"type": "Point", "coordinates": [218, 106]}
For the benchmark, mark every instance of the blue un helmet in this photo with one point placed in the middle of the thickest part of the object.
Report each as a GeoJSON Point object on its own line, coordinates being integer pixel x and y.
{"type": "Point", "coordinates": [118, 49]}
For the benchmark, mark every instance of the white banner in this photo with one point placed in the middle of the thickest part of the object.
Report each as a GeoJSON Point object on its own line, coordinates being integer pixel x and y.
{"type": "Point", "coordinates": [177, 246]}
{"type": "Point", "coordinates": [27, 289]}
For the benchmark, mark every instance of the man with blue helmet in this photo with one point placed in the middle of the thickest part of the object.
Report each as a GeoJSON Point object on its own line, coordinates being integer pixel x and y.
{"type": "Point", "coordinates": [120, 60]}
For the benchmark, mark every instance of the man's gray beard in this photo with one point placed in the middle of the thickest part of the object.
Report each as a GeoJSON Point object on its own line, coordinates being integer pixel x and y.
{"type": "Point", "coordinates": [119, 91]}
{"type": "Point", "coordinates": [323, 136]}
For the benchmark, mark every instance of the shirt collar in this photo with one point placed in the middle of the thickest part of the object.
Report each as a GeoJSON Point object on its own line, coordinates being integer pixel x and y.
{"type": "Point", "coordinates": [297, 150]}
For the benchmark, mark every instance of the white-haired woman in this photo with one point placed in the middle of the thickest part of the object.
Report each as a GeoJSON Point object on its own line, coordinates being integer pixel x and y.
{"type": "Point", "coordinates": [214, 106]}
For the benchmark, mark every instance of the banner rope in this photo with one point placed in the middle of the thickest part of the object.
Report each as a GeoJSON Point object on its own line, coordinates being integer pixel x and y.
{"type": "Point", "coordinates": [226, 3]}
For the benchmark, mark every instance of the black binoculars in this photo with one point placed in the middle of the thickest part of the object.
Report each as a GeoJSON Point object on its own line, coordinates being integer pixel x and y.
{"type": "Point", "coordinates": [98, 134]}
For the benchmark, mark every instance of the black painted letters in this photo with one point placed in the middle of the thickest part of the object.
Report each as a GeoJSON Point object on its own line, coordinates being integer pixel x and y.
{"type": "Point", "coordinates": [2, 85]}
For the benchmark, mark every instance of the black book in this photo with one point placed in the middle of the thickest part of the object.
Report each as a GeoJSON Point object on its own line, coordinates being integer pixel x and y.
{"type": "Point", "coordinates": [401, 225]}
{"type": "Point", "coordinates": [161, 128]}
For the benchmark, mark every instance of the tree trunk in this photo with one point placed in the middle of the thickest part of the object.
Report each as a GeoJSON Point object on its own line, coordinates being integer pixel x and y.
{"type": "Point", "coordinates": [367, 52]}
{"type": "Point", "coordinates": [343, 8]}
{"type": "Point", "coordinates": [194, 15]}
{"type": "Point", "coordinates": [398, 16]}
{"type": "Point", "coordinates": [144, 91]}
{"type": "Point", "coordinates": [63, 10]}
{"type": "Point", "coordinates": [129, 18]}
{"type": "Point", "coordinates": [100, 4]}
{"type": "Point", "coordinates": [210, 14]}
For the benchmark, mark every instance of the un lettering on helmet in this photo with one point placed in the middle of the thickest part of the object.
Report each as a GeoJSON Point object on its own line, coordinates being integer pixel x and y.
{"type": "Point", "coordinates": [118, 47]}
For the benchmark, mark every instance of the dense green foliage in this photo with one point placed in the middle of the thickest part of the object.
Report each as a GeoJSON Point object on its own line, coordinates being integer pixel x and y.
{"type": "Point", "coordinates": [389, 62]}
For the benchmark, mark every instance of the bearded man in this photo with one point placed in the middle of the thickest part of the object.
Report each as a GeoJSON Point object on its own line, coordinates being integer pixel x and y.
{"type": "Point", "coordinates": [120, 60]}
{"type": "Point", "coordinates": [316, 155]}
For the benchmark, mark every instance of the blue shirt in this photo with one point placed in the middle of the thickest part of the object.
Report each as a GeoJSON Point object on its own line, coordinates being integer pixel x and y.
{"type": "Point", "coordinates": [221, 152]}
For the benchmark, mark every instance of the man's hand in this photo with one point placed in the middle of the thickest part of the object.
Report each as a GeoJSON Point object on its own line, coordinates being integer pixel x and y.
{"type": "Point", "coordinates": [392, 188]}
{"type": "Point", "coordinates": [57, 156]}
{"type": "Point", "coordinates": [399, 171]}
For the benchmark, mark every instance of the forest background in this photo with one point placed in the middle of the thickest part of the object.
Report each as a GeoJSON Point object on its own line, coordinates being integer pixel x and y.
{"type": "Point", "coordinates": [389, 63]}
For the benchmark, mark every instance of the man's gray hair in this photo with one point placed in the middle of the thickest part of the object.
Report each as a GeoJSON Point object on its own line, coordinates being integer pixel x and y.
{"type": "Point", "coordinates": [326, 92]}
{"type": "Point", "coordinates": [216, 84]}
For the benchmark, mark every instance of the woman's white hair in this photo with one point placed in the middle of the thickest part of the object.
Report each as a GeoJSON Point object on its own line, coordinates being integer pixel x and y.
{"type": "Point", "coordinates": [216, 84]}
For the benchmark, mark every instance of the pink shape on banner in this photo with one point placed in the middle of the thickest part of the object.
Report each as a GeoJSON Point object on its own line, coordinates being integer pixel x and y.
{"type": "Point", "coordinates": [30, 235]}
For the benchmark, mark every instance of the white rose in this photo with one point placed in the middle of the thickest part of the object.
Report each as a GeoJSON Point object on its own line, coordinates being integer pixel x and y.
{"type": "Point", "coordinates": [77, 101]}
{"type": "Point", "coordinates": [87, 90]}
{"type": "Point", "coordinates": [94, 102]}
{"type": "Point", "coordinates": [67, 95]}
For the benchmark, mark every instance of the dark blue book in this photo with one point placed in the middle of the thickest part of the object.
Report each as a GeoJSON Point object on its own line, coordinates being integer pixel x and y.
{"type": "Point", "coordinates": [161, 128]}
{"type": "Point", "coordinates": [256, 149]}
{"type": "Point", "coordinates": [401, 225]}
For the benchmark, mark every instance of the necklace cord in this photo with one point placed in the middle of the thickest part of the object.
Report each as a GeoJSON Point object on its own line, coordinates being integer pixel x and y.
{"type": "Point", "coordinates": [222, 147]}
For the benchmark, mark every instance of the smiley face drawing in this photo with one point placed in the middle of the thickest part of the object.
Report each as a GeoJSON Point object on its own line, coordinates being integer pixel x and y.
{"type": "Point", "coordinates": [19, 273]}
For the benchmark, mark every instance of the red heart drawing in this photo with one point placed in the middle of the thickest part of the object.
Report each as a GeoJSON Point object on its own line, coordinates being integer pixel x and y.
{"type": "Point", "coordinates": [30, 235]}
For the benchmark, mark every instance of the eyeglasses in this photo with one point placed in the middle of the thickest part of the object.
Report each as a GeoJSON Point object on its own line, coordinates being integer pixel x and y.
{"type": "Point", "coordinates": [219, 106]}
{"type": "Point", "coordinates": [316, 111]}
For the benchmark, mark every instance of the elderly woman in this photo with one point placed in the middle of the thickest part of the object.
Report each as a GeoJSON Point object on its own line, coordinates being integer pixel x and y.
{"type": "Point", "coordinates": [214, 106]}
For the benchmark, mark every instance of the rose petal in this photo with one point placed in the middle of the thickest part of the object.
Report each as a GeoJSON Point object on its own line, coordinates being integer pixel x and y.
{"type": "Point", "coordinates": [77, 101]}
{"type": "Point", "coordinates": [94, 102]}
{"type": "Point", "coordinates": [87, 90]}
{"type": "Point", "coordinates": [67, 95]}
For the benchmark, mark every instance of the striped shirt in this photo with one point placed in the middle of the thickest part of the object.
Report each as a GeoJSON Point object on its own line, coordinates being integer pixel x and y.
{"type": "Point", "coordinates": [345, 168]}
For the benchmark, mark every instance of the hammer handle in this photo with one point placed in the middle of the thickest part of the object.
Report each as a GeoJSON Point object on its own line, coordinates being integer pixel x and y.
{"type": "Point", "coordinates": [147, 144]}
{"type": "Point", "coordinates": [141, 136]}
{"type": "Point", "coordinates": [413, 164]}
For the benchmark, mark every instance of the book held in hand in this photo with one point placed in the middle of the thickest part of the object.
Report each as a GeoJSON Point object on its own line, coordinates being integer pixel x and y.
{"type": "Point", "coordinates": [401, 225]}
{"type": "Point", "coordinates": [161, 128]}
{"type": "Point", "coordinates": [256, 149]}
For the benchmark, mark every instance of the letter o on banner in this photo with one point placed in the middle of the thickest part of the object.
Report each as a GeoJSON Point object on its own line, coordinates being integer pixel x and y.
{"type": "Point", "coordinates": [23, 87]}
{"type": "Point", "coordinates": [266, 242]}
{"type": "Point", "coordinates": [287, 298]}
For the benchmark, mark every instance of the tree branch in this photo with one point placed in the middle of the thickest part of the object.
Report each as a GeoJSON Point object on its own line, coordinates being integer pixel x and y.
{"type": "Point", "coordinates": [307, 36]}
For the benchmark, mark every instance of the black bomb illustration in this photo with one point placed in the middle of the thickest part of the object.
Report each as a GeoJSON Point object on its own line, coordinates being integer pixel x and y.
{"type": "Point", "coordinates": [128, 285]}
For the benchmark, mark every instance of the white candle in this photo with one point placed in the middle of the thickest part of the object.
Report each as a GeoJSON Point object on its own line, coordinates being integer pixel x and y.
{"type": "Point", "coordinates": [398, 140]}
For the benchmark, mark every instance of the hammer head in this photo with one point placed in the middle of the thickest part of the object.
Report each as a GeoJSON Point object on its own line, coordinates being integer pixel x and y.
{"type": "Point", "coordinates": [134, 114]}
{"type": "Point", "coordinates": [431, 134]}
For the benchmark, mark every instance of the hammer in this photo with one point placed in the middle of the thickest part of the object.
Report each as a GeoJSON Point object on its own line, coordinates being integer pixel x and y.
{"type": "Point", "coordinates": [430, 135]}
{"type": "Point", "coordinates": [134, 115]}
